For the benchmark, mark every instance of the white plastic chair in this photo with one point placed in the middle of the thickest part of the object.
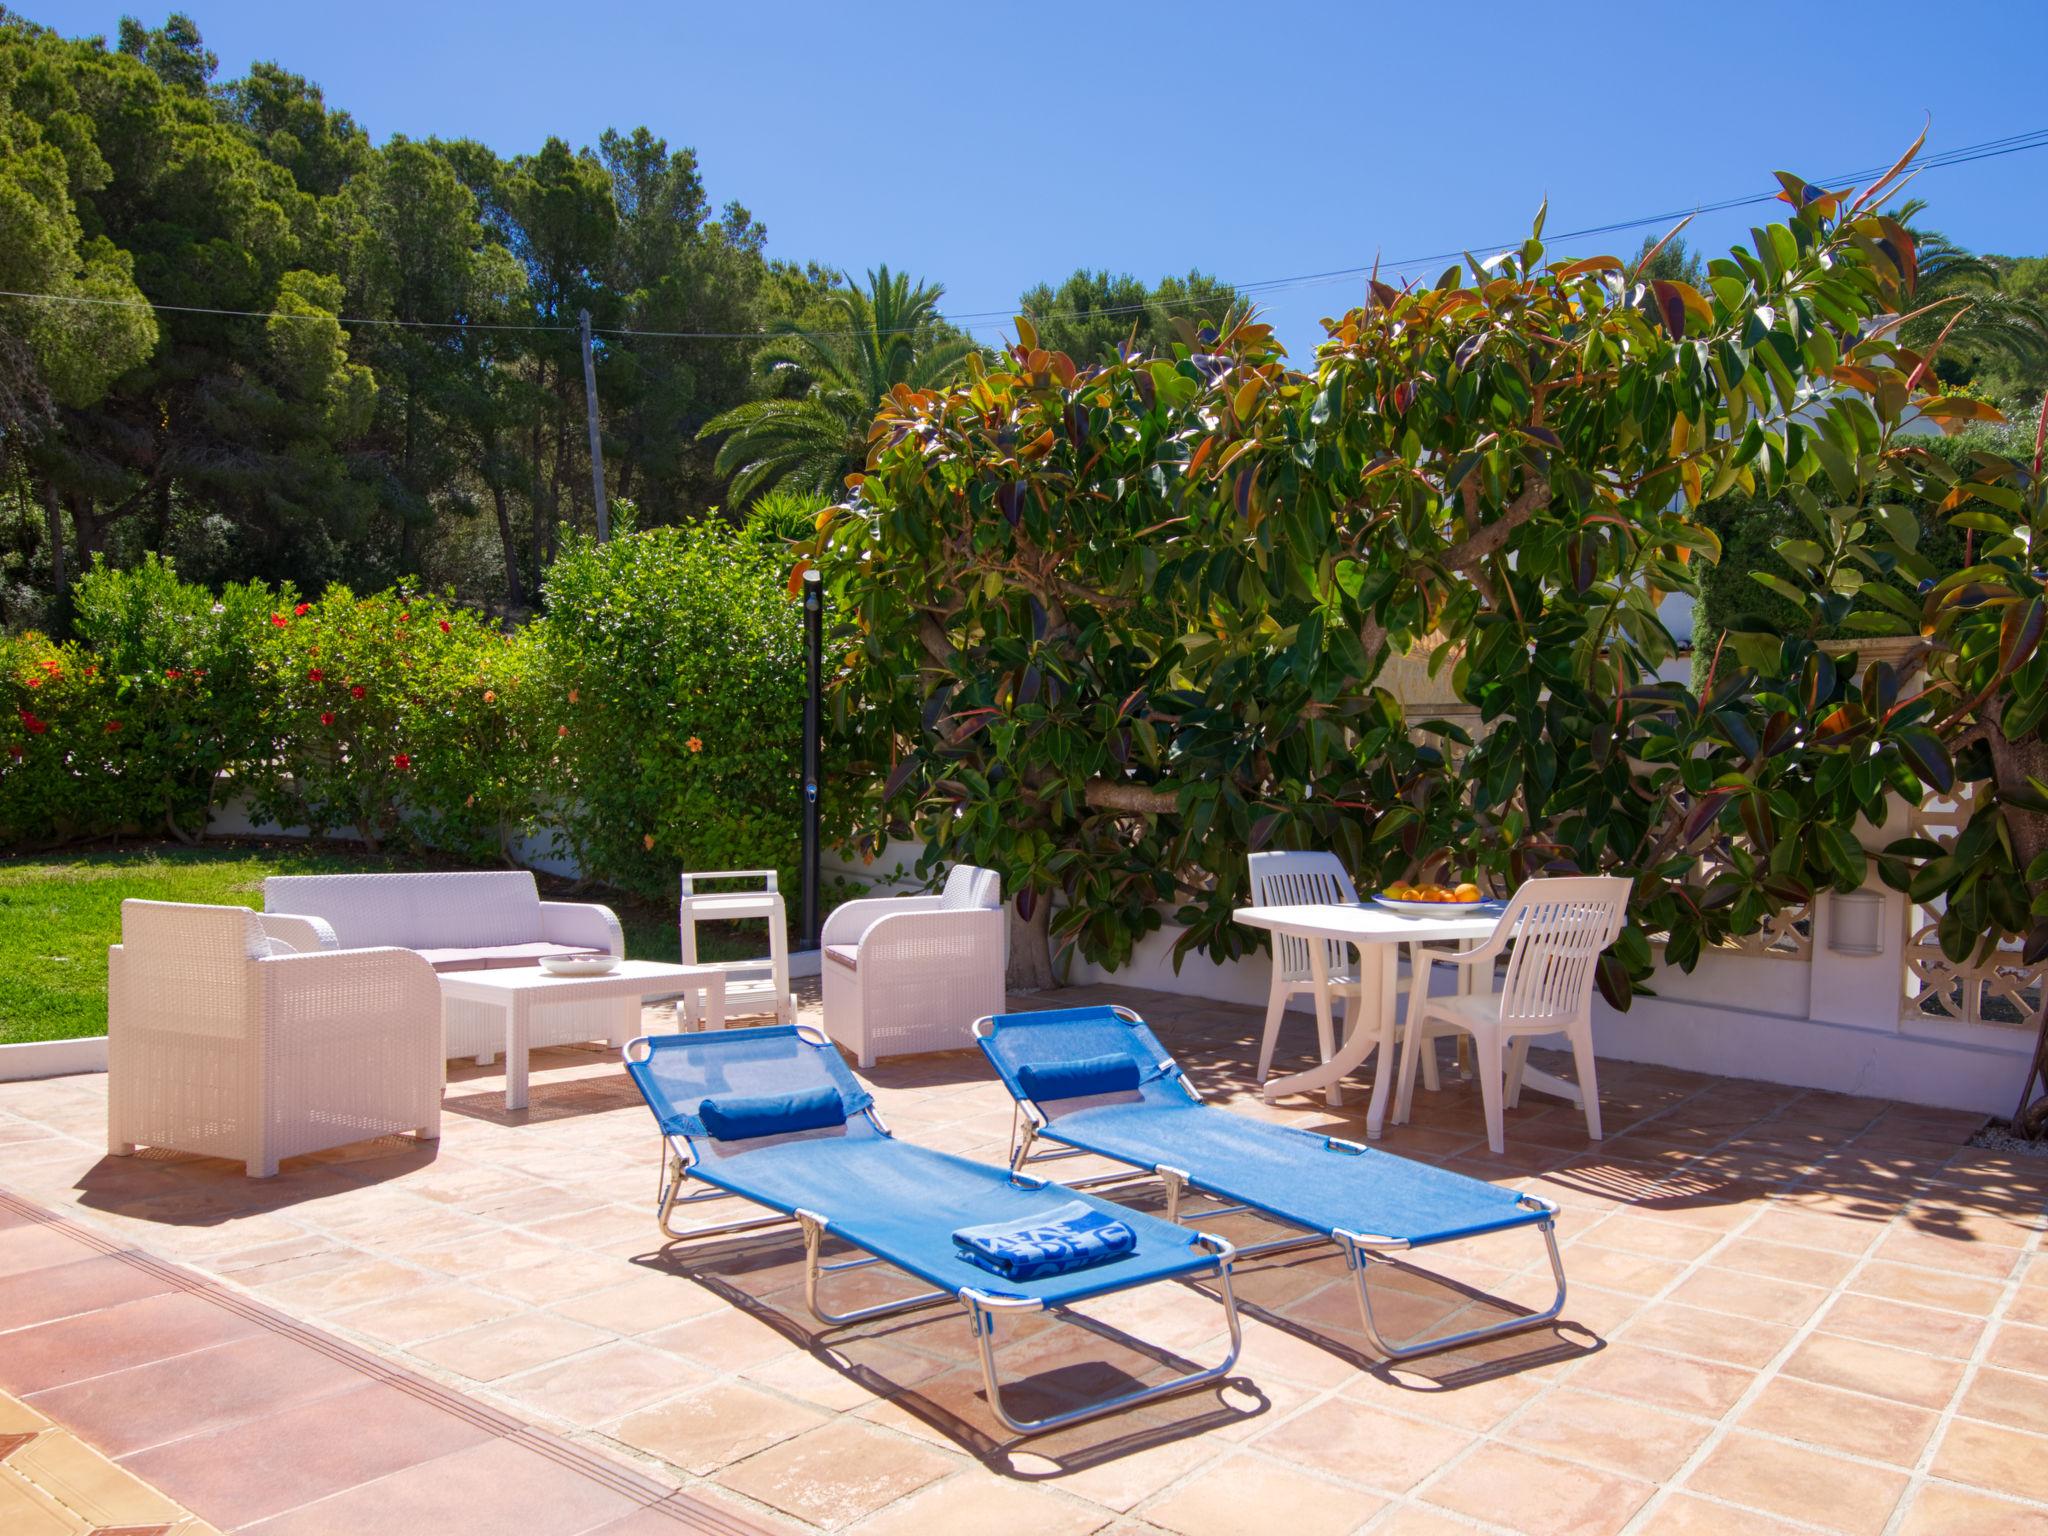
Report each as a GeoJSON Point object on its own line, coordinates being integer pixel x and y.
{"type": "Point", "coordinates": [1559, 928]}
{"type": "Point", "coordinates": [912, 973]}
{"type": "Point", "coordinates": [224, 1039]}
{"type": "Point", "coordinates": [1285, 879]}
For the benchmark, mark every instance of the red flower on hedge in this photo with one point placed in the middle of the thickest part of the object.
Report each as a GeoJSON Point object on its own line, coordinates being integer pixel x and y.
{"type": "Point", "coordinates": [401, 761]}
{"type": "Point", "coordinates": [113, 726]}
{"type": "Point", "coordinates": [51, 666]}
{"type": "Point", "coordinates": [173, 673]}
{"type": "Point", "coordinates": [35, 727]}
{"type": "Point", "coordinates": [300, 611]}
{"type": "Point", "coordinates": [35, 682]}
{"type": "Point", "coordinates": [446, 627]}
{"type": "Point", "coordinates": [279, 620]}
{"type": "Point", "coordinates": [15, 753]}
{"type": "Point", "coordinates": [314, 674]}
{"type": "Point", "coordinates": [358, 691]}
{"type": "Point", "coordinates": [199, 672]}
{"type": "Point", "coordinates": [405, 618]}
{"type": "Point", "coordinates": [327, 717]}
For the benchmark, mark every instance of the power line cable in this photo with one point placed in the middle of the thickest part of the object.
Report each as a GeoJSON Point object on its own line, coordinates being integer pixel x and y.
{"type": "Point", "coordinates": [1965, 154]}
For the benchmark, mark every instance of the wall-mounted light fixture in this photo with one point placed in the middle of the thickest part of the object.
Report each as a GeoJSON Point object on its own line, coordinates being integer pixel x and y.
{"type": "Point", "coordinates": [1854, 922]}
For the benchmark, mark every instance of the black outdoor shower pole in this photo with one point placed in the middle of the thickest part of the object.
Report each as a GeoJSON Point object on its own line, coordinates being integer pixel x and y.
{"type": "Point", "coordinates": [814, 656]}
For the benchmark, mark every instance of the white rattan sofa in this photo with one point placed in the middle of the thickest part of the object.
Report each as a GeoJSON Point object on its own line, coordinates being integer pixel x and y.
{"type": "Point", "coordinates": [224, 1039]}
{"type": "Point", "coordinates": [463, 921]}
{"type": "Point", "coordinates": [913, 973]}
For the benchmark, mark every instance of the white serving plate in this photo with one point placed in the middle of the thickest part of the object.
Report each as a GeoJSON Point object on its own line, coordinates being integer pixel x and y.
{"type": "Point", "coordinates": [1432, 908]}
{"type": "Point", "coordinates": [579, 965]}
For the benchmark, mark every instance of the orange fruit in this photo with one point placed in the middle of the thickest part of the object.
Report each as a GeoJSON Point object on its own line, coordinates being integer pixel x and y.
{"type": "Point", "coordinates": [1468, 892]}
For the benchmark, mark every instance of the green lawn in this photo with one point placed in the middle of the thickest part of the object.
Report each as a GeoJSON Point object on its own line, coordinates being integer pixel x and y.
{"type": "Point", "coordinates": [59, 912]}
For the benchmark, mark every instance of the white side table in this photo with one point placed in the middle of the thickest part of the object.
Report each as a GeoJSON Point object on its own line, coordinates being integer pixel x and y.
{"type": "Point", "coordinates": [517, 991]}
{"type": "Point", "coordinates": [747, 990]}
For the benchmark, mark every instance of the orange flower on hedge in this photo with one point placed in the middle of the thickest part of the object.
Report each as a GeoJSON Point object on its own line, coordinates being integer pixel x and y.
{"type": "Point", "coordinates": [561, 730]}
{"type": "Point", "coordinates": [490, 696]}
{"type": "Point", "coordinates": [35, 682]}
{"type": "Point", "coordinates": [647, 842]}
{"type": "Point", "coordinates": [51, 666]}
{"type": "Point", "coordinates": [695, 744]}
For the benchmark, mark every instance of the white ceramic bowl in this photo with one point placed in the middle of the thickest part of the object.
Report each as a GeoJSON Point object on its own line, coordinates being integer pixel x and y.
{"type": "Point", "coordinates": [579, 965]}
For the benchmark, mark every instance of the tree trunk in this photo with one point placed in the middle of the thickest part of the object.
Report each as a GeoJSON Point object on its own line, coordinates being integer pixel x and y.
{"type": "Point", "coordinates": [53, 517]}
{"type": "Point", "coordinates": [515, 596]}
{"type": "Point", "coordinates": [1031, 949]}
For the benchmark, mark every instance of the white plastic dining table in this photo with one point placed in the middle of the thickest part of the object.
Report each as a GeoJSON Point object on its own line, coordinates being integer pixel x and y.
{"type": "Point", "coordinates": [1374, 931]}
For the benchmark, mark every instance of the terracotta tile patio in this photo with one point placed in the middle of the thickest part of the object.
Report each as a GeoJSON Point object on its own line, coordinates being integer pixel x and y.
{"type": "Point", "coordinates": [1790, 1311]}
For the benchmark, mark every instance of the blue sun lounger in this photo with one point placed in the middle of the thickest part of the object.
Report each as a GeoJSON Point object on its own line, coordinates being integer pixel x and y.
{"type": "Point", "coordinates": [1097, 1080]}
{"type": "Point", "coordinates": [774, 1116]}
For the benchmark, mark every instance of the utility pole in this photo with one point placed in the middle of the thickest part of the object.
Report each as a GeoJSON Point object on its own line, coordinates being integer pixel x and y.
{"type": "Point", "coordinates": [597, 499]}
{"type": "Point", "coordinates": [814, 654]}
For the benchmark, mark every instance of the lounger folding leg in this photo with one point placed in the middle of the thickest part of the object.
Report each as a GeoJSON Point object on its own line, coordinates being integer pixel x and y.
{"type": "Point", "coordinates": [896, 1203]}
{"type": "Point", "coordinates": [1096, 1080]}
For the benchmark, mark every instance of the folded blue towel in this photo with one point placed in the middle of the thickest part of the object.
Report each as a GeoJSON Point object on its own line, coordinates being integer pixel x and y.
{"type": "Point", "coordinates": [1067, 1237]}
{"type": "Point", "coordinates": [776, 1114]}
{"type": "Point", "coordinates": [1045, 1081]}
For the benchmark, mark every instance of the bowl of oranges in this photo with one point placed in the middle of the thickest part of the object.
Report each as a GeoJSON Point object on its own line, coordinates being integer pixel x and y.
{"type": "Point", "coordinates": [1433, 900]}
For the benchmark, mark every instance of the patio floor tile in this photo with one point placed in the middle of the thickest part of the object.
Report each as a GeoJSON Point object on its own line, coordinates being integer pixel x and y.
{"type": "Point", "coordinates": [1246, 1493]}
{"type": "Point", "coordinates": [1841, 1421]}
{"type": "Point", "coordinates": [972, 1506]}
{"type": "Point", "coordinates": [238, 1477]}
{"type": "Point", "coordinates": [1629, 1438]}
{"type": "Point", "coordinates": [1536, 1495]}
{"type": "Point", "coordinates": [1936, 1510]}
{"type": "Point", "coordinates": [115, 1338]}
{"type": "Point", "coordinates": [1829, 1491]}
{"type": "Point", "coordinates": [1625, 1369]}
{"type": "Point", "coordinates": [702, 1431]}
{"type": "Point", "coordinates": [1903, 1375]}
{"type": "Point", "coordinates": [2018, 1348]}
{"type": "Point", "coordinates": [1927, 1329]}
{"type": "Point", "coordinates": [1348, 1440]}
{"type": "Point", "coordinates": [64, 1290]}
{"type": "Point", "coordinates": [520, 1343]}
{"type": "Point", "coordinates": [486, 1490]}
{"type": "Point", "coordinates": [836, 1474]}
{"type": "Point", "coordinates": [1995, 1459]}
{"type": "Point", "coordinates": [145, 1405]}
{"type": "Point", "coordinates": [2011, 1398]}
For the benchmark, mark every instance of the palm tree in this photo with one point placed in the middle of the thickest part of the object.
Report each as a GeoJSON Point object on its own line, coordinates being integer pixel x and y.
{"type": "Point", "coordinates": [887, 334]}
{"type": "Point", "coordinates": [1994, 326]}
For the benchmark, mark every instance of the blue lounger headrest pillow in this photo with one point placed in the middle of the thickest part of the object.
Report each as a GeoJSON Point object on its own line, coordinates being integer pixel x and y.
{"type": "Point", "coordinates": [772, 1114]}
{"type": "Point", "coordinates": [1079, 1078]}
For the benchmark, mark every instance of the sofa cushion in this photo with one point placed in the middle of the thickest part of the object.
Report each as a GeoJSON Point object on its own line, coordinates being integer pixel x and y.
{"type": "Point", "coordinates": [847, 955]}
{"type": "Point", "coordinates": [493, 957]}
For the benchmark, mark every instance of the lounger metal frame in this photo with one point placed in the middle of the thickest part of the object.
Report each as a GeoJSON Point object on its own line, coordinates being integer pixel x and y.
{"type": "Point", "coordinates": [1361, 1250]}
{"type": "Point", "coordinates": [982, 1307]}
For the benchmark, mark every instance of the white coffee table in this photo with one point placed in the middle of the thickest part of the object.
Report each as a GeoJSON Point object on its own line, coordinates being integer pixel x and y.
{"type": "Point", "coordinates": [519, 990]}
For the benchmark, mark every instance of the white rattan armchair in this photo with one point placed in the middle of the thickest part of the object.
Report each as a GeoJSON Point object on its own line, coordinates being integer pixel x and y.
{"type": "Point", "coordinates": [913, 973]}
{"type": "Point", "coordinates": [224, 1039]}
{"type": "Point", "coordinates": [1559, 927]}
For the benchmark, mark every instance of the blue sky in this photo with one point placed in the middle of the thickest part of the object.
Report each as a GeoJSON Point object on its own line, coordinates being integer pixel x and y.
{"type": "Point", "coordinates": [990, 146]}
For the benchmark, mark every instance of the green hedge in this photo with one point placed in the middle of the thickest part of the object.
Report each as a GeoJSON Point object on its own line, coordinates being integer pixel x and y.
{"type": "Point", "coordinates": [649, 722]}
